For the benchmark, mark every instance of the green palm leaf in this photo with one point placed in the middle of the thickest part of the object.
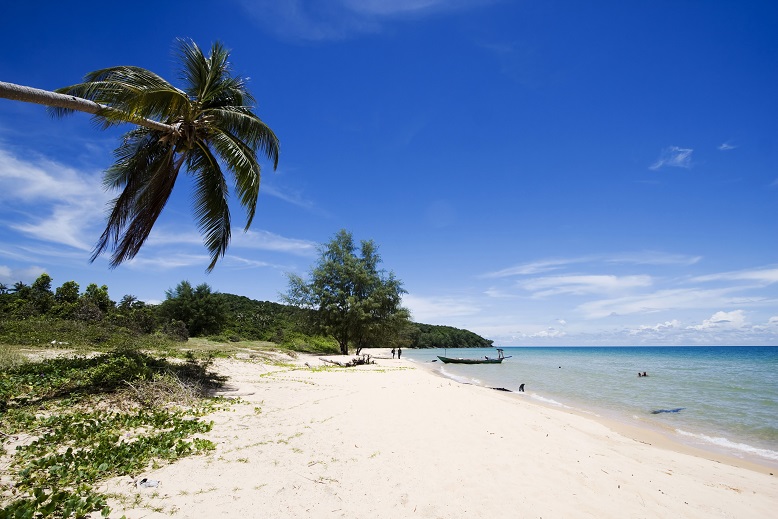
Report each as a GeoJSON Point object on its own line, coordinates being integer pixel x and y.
{"type": "Point", "coordinates": [212, 128]}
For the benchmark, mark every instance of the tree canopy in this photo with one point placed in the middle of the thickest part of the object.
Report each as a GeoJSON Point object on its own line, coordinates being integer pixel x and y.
{"type": "Point", "coordinates": [353, 300]}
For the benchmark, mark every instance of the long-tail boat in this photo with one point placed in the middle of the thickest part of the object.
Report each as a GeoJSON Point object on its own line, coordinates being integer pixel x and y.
{"type": "Point", "coordinates": [486, 360]}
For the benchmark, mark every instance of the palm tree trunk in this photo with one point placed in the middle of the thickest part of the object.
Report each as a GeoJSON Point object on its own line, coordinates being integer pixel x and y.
{"type": "Point", "coordinates": [44, 97]}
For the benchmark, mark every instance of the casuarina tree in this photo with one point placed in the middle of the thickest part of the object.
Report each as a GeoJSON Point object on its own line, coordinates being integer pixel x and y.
{"type": "Point", "coordinates": [353, 300]}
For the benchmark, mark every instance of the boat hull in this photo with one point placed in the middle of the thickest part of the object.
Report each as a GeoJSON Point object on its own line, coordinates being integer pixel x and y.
{"type": "Point", "coordinates": [451, 360]}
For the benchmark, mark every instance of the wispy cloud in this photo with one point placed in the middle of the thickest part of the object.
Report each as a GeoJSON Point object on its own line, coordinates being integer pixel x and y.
{"type": "Point", "coordinates": [584, 284]}
{"type": "Point", "coordinates": [764, 276]}
{"type": "Point", "coordinates": [54, 203]}
{"type": "Point", "coordinates": [319, 20]}
{"type": "Point", "coordinates": [536, 267]}
{"type": "Point", "coordinates": [674, 156]}
{"type": "Point", "coordinates": [636, 258]}
{"type": "Point", "coordinates": [726, 146]}
{"type": "Point", "coordinates": [269, 241]}
{"type": "Point", "coordinates": [652, 258]}
{"type": "Point", "coordinates": [672, 299]}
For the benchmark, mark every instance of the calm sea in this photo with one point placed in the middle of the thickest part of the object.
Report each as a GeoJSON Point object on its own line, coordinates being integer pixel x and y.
{"type": "Point", "coordinates": [718, 398]}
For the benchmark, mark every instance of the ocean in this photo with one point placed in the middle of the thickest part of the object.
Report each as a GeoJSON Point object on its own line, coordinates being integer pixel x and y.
{"type": "Point", "coordinates": [722, 398]}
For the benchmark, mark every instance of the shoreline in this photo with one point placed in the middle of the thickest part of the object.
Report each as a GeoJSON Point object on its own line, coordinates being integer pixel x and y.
{"type": "Point", "coordinates": [390, 440]}
{"type": "Point", "coordinates": [633, 427]}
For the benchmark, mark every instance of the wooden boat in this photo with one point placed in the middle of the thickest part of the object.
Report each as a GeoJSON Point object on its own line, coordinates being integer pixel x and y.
{"type": "Point", "coordinates": [486, 360]}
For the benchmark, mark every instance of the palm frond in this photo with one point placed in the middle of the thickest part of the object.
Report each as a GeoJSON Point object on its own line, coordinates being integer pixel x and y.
{"type": "Point", "coordinates": [241, 160]}
{"type": "Point", "coordinates": [148, 177]}
{"type": "Point", "coordinates": [249, 128]}
{"type": "Point", "coordinates": [131, 93]}
{"type": "Point", "coordinates": [211, 198]}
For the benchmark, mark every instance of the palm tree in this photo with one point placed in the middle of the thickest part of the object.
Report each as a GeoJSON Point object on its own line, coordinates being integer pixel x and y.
{"type": "Point", "coordinates": [3, 288]}
{"type": "Point", "coordinates": [206, 128]}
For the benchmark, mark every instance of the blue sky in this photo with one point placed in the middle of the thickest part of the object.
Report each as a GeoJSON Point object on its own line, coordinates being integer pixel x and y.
{"type": "Point", "coordinates": [539, 172]}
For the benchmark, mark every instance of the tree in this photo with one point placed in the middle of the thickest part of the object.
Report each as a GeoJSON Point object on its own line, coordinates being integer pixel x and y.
{"type": "Point", "coordinates": [40, 295]}
{"type": "Point", "coordinates": [67, 293]}
{"type": "Point", "coordinates": [66, 298]}
{"type": "Point", "coordinates": [354, 301]}
{"type": "Point", "coordinates": [198, 308]}
{"type": "Point", "coordinates": [206, 127]}
{"type": "Point", "coordinates": [3, 288]}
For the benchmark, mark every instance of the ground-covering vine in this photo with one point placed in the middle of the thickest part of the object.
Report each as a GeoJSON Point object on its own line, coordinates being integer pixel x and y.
{"type": "Point", "coordinates": [82, 420]}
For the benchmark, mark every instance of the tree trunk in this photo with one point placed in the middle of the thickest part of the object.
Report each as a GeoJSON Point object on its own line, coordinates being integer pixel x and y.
{"type": "Point", "coordinates": [44, 97]}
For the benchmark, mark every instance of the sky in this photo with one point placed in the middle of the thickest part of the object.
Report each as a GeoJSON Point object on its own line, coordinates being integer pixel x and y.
{"type": "Point", "coordinates": [539, 172]}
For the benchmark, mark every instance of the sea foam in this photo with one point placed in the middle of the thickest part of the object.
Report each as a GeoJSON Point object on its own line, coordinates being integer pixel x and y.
{"type": "Point", "coordinates": [728, 444]}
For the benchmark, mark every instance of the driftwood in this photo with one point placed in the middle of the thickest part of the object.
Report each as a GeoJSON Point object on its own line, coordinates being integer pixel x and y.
{"type": "Point", "coordinates": [356, 361]}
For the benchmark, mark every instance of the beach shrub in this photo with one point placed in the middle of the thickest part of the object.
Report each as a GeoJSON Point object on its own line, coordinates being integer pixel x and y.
{"type": "Point", "coordinates": [78, 443]}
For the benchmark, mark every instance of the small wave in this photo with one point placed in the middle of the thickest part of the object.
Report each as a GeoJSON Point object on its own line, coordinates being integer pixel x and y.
{"type": "Point", "coordinates": [459, 378]}
{"type": "Point", "coordinates": [723, 442]}
{"type": "Point", "coordinates": [550, 401]}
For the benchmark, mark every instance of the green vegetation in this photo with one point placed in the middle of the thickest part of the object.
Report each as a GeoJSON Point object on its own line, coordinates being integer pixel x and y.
{"type": "Point", "coordinates": [434, 336]}
{"type": "Point", "coordinates": [38, 316]}
{"type": "Point", "coordinates": [78, 421]}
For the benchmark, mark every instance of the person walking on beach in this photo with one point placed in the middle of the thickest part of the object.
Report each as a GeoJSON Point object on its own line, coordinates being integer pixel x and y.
{"type": "Point", "coordinates": [392, 352]}
{"type": "Point", "coordinates": [399, 352]}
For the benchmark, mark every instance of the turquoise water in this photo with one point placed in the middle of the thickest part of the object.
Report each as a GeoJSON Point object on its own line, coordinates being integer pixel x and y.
{"type": "Point", "coordinates": [718, 398]}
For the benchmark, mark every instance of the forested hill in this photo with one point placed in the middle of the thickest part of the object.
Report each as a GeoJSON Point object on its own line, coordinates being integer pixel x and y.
{"type": "Point", "coordinates": [264, 320]}
{"type": "Point", "coordinates": [435, 336]}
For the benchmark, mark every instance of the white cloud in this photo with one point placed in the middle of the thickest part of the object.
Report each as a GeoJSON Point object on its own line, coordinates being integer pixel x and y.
{"type": "Point", "coordinates": [726, 146]}
{"type": "Point", "coordinates": [653, 258]}
{"type": "Point", "coordinates": [584, 284]}
{"type": "Point", "coordinates": [762, 275]}
{"type": "Point", "coordinates": [660, 327]}
{"type": "Point", "coordinates": [723, 320]}
{"type": "Point", "coordinates": [266, 240]}
{"type": "Point", "coordinates": [52, 202]}
{"type": "Point", "coordinates": [674, 157]}
{"type": "Point", "coordinates": [636, 258]}
{"type": "Point", "coordinates": [661, 300]}
{"type": "Point", "coordinates": [536, 267]}
{"type": "Point", "coordinates": [9, 275]}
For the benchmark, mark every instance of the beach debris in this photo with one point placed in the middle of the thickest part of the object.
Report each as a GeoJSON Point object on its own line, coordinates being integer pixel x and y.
{"type": "Point", "coordinates": [501, 389]}
{"type": "Point", "coordinates": [147, 483]}
{"type": "Point", "coordinates": [356, 361]}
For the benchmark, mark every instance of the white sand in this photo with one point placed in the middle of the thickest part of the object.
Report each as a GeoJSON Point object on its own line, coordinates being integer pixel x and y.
{"type": "Point", "coordinates": [392, 440]}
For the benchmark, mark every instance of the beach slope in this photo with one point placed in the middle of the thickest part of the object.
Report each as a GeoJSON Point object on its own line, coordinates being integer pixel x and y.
{"type": "Point", "coordinates": [392, 440]}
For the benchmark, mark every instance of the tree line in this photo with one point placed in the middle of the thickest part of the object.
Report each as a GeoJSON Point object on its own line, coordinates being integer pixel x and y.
{"type": "Point", "coordinates": [188, 311]}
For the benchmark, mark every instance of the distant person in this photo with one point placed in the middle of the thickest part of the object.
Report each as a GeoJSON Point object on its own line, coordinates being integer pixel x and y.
{"type": "Point", "coordinates": [640, 374]}
{"type": "Point", "coordinates": [645, 374]}
{"type": "Point", "coordinates": [521, 388]}
{"type": "Point", "coordinates": [393, 352]}
{"type": "Point", "coordinates": [399, 352]}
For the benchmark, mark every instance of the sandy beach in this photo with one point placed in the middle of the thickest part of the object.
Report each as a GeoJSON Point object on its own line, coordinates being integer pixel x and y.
{"type": "Point", "coordinates": [394, 440]}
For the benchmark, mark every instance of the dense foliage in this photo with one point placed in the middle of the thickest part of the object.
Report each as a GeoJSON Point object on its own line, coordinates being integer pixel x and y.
{"type": "Point", "coordinates": [434, 336]}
